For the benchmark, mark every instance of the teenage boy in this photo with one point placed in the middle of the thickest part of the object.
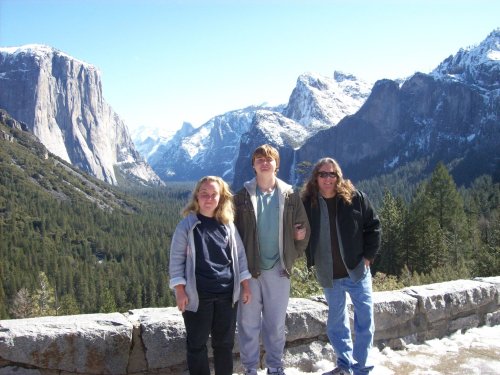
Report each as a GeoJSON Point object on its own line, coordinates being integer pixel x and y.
{"type": "Point", "coordinates": [273, 225]}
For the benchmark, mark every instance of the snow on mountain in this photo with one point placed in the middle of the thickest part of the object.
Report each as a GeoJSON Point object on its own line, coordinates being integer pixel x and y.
{"type": "Point", "coordinates": [477, 65]}
{"type": "Point", "coordinates": [318, 102]}
{"type": "Point", "coordinates": [40, 52]}
{"type": "Point", "coordinates": [61, 101]}
{"type": "Point", "coordinates": [209, 149]}
{"type": "Point", "coordinates": [148, 140]}
{"type": "Point", "coordinates": [280, 130]}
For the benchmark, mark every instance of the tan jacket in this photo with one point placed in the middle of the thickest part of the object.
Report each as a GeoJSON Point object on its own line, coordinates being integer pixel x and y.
{"type": "Point", "coordinates": [291, 212]}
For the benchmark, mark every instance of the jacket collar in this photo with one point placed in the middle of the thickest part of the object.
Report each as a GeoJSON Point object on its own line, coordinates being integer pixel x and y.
{"type": "Point", "coordinates": [283, 187]}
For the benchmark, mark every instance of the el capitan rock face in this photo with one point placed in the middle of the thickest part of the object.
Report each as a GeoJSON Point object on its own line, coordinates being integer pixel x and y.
{"type": "Point", "coordinates": [60, 99]}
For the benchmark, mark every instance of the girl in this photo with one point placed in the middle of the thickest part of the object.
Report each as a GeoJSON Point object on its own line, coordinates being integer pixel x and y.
{"type": "Point", "coordinates": [207, 267]}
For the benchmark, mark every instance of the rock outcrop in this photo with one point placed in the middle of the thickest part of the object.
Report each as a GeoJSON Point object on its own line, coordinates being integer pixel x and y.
{"type": "Point", "coordinates": [450, 115]}
{"type": "Point", "coordinates": [152, 341]}
{"type": "Point", "coordinates": [60, 99]}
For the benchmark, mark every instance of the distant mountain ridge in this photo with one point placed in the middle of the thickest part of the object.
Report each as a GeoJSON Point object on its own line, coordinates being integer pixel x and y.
{"type": "Point", "coordinates": [449, 115]}
{"type": "Point", "coordinates": [316, 103]}
{"type": "Point", "coordinates": [60, 99]}
{"type": "Point", "coordinates": [209, 149]}
{"type": "Point", "coordinates": [478, 65]}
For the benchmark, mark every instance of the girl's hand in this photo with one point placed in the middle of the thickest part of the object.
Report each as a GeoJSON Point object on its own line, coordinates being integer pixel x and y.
{"type": "Point", "coordinates": [181, 297]}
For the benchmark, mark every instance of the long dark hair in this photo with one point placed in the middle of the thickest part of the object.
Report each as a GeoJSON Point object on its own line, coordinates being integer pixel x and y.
{"type": "Point", "coordinates": [345, 188]}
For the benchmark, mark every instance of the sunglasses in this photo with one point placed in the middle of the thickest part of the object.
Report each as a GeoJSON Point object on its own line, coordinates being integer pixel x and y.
{"type": "Point", "coordinates": [328, 174]}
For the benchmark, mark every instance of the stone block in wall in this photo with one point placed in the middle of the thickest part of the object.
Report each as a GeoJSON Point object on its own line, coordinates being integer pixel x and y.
{"type": "Point", "coordinates": [463, 324]}
{"type": "Point", "coordinates": [441, 303]}
{"type": "Point", "coordinates": [394, 315]}
{"type": "Point", "coordinates": [494, 280]}
{"type": "Point", "coordinates": [88, 344]}
{"type": "Point", "coordinates": [9, 370]}
{"type": "Point", "coordinates": [492, 319]}
{"type": "Point", "coordinates": [305, 319]}
{"type": "Point", "coordinates": [163, 335]}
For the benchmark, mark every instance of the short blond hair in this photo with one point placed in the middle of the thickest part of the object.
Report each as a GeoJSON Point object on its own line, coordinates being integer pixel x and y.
{"type": "Point", "coordinates": [224, 212]}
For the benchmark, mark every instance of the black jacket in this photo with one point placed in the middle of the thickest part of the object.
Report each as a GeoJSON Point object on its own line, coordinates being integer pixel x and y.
{"type": "Point", "coordinates": [358, 228]}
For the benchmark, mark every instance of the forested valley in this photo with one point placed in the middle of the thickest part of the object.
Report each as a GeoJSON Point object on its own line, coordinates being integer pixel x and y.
{"type": "Point", "coordinates": [70, 244]}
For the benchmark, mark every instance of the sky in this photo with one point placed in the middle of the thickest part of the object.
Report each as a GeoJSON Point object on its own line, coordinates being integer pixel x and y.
{"type": "Point", "coordinates": [166, 62]}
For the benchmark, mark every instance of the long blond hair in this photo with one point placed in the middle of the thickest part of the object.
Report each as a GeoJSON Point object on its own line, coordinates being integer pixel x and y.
{"type": "Point", "coordinates": [224, 212]}
{"type": "Point", "coordinates": [345, 188]}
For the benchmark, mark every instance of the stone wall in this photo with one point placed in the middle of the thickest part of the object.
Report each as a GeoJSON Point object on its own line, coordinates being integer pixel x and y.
{"type": "Point", "coordinates": [151, 341]}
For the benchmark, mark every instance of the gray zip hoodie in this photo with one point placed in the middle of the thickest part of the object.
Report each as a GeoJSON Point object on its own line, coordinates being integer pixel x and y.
{"type": "Point", "coordinates": [183, 260]}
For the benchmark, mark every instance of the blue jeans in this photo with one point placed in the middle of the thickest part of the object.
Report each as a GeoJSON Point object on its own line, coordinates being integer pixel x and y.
{"type": "Point", "coordinates": [349, 357]}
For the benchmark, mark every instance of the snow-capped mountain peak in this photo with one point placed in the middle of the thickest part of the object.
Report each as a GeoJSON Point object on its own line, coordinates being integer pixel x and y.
{"type": "Point", "coordinates": [42, 51]}
{"type": "Point", "coordinates": [319, 102]}
{"type": "Point", "coordinates": [478, 65]}
{"type": "Point", "coordinates": [279, 130]}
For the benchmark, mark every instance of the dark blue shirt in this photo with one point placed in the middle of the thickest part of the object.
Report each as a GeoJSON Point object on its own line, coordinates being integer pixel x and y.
{"type": "Point", "coordinates": [214, 273]}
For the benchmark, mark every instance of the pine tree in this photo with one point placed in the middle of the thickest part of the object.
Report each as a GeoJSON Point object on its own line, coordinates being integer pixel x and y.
{"type": "Point", "coordinates": [448, 208]}
{"type": "Point", "coordinates": [423, 236]}
{"type": "Point", "coordinates": [392, 253]}
{"type": "Point", "coordinates": [3, 301]}
{"type": "Point", "coordinates": [436, 230]}
{"type": "Point", "coordinates": [44, 297]}
{"type": "Point", "coordinates": [108, 303]}
{"type": "Point", "coordinates": [68, 305]}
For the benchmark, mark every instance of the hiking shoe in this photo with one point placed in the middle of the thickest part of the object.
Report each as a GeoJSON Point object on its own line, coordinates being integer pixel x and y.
{"type": "Point", "coordinates": [337, 371]}
{"type": "Point", "coordinates": [276, 371]}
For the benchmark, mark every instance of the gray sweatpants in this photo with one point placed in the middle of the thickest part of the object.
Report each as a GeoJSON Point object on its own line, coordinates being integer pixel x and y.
{"type": "Point", "coordinates": [264, 315]}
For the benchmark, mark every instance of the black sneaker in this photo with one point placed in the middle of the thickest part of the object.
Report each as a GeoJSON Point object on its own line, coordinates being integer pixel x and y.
{"type": "Point", "coordinates": [337, 371]}
{"type": "Point", "coordinates": [278, 371]}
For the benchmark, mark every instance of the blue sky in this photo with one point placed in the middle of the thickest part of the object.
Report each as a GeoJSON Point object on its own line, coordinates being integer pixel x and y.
{"type": "Point", "coordinates": [165, 62]}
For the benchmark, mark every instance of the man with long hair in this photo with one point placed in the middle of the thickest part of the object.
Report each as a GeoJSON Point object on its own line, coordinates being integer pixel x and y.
{"type": "Point", "coordinates": [345, 237]}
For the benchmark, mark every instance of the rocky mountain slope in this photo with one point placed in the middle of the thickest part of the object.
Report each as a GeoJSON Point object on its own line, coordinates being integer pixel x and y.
{"type": "Point", "coordinates": [61, 101]}
{"type": "Point", "coordinates": [28, 166]}
{"type": "Point", "coordinates": [450, 115]}
{"type": "Point", "coordinates": [316, 103]}
{"type": "Point", "coordinates": [210, 149]}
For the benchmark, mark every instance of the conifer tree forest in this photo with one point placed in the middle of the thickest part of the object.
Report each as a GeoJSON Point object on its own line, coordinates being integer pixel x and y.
{"type": "Point", "coordinates": [63, 254]}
